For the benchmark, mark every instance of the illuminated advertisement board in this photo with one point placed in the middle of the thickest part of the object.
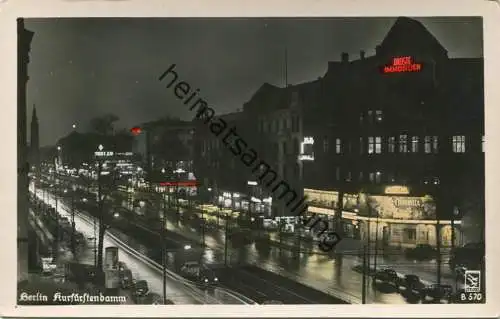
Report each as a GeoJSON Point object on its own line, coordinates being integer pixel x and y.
{"type": "Point", "coordinates": [306, 149]}
{"type": "Point", "coordinates": [402, 64]}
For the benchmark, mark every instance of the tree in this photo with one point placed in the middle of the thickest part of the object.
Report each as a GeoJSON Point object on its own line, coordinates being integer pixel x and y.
{"type": "Point", "coordinates": [104, 125]}
{"type": "Point", "coordinates": [105, 185]}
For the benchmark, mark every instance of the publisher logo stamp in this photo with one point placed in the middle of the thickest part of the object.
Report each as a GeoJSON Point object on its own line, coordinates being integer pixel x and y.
{"type": "Point", "coordinates": [472, 281]}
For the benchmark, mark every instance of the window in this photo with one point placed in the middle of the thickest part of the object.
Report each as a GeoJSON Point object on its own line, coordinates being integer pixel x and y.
{"type": "Point", "coordinates": [482, 143]}
{"type": "Point", "coordinates": [458, 144]}
{"type": "Point", "coordinates": [296, 147]}
{"type": "Point", "coordinates": [378, 116]}
{"type": "Point", "coordinates": [325, 144]}
{"type": "Point", "coordinates": [411, 234]}
{"type": "Point", "coordinates": [370, 116]}
{"type": "Point", "coordinates": [403, 143]}
{"type": "Point", "coordinates": [371, 177]}
{"type": "Point", "coordinates": [427, 144]}
{"type": "Point", "coordinates": [295, 123]}
{"type": "Point", "coordinates": [371, 145]}
{"type": "Point", "coordinates": [435, 144]}
{"type": "Point", "coordinates": [361, 118]}
{"type": "Point", "coordinates": [338, 145]}
{"type": "Point", "coordinates": [349, 176]}
{"type": "Point", "coordinates": [414, 144]}
{"type": "Point", "coordinates": [337, 173]}
{"type": "Point", "coordinates": [361, 176]}
{"type": "Point", "coordinates": [392, 144]}
{"type": "Point", "coordinates": [361, 145]}
{"type": "Point", "coordinates": [378, 177]}
{"type": "Point", "coordinates": [378, 145]}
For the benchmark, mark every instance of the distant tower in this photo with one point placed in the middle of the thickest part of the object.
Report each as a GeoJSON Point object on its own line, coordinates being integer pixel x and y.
{"type": "Point", "coordinates": [35, 143]}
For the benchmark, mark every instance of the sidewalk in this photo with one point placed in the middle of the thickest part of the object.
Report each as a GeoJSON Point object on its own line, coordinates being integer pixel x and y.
{"type": "Point", "coordinates": [56, 282]}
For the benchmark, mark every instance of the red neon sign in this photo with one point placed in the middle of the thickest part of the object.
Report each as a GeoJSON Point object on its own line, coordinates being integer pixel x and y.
{"type": "Point", "coordinates": [135, 130]}
{"type": "Point", "coordinates": [402, 64]}
{"type": "Point", "coordinates": [180, 184]}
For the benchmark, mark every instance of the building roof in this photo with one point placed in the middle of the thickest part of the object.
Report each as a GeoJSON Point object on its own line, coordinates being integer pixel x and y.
{"type": "Point", "coordinates": [411, 34]}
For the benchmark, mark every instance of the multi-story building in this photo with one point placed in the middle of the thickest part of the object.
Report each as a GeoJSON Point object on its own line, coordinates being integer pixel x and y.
{"type": "Point", "coordinates": [168, 147]}
{"type": "Point", "coordinates": [398, 136]}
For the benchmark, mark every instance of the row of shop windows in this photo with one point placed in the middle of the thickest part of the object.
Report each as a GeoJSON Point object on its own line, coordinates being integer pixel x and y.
{"type": "Point", "coordinates": [402, 144]}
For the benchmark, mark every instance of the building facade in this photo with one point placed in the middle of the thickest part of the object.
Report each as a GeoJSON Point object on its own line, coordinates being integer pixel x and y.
{"type": "Point", "coordinates": [24, 38]}
{"type": "Point", "coordinates": [397, 138]}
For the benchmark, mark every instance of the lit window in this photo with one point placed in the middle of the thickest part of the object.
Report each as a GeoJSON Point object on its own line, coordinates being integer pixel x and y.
{"type": "Point", "coordinates": [338, 145]}
{"type": "Point", "coordinates": [349, 176]}
{"type": "Point", "coordinates": [378, 145]}
{"type": "Point", "coordinates": [378, 177]}
{"type": "Point", "coordinates": [427, 144]}
{"type": "Point", "coordinates": [482, 143]}
{"type": "Point", "coordinates": [414, 144]}
{"type": "Point", "coordinates": [403, 143]}
{"type": "Point", "coordinates": [378, 115]}
{"type": "Point", "coordinates": [372, 177]}
{"type": "Point", "coordinates": [325, 145]}
{"type": "Point", "coordinates": [435, 144]}
{"type": "Point", "coordinates": [392, 144]}
{"type": "Point", "coordinates": [458, 144]}
{"type": "Point", "coordinates": [371, 145]}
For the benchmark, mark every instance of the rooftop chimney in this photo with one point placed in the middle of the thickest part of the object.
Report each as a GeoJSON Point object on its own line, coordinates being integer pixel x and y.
{"type": "Point", "coordinates": [362, 55]}
{"type": "Point", "coordinates": [345, 57]}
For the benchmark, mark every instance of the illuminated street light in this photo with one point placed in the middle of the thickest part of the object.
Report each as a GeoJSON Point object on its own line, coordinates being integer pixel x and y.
{"type": "Point", "coordinates": [100, 147]}
{"type": "Point", "coordinates": [59, 148]}
{"type": "Point", "coordinates": [74, 126]}
{"type": "Point", "coordinates": [187, 247]}
{"type": "Point", "coordinates": [116, 215]}
{"type": "Point", "coordinates": [163, 171]}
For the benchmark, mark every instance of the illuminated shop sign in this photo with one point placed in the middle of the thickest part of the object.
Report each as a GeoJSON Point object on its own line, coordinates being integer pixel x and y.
{"type": "Point", "coordinates": [306, 149]}
{"type": "Point", "coordinates": [402, 64]}
{"type": "Point", "coordinates": [397, 190]}
{"type": "Point", "coordinates": [100, 153]}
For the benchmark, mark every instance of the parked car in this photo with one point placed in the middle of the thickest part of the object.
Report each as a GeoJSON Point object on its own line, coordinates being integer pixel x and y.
{"type": "Point", "coordinates": [386, 276]}
{"type": "Point", "coordinates": [436, 293]}
{"type": "Point", "coordinates": [140, 289]}
{"type": "Point", "coordinates": [122, 266]}
{"type": "Point", "coordinates": [207, 277]}
{"type": "Point", "coordinates": [421, 252]}
{"type": "Point", "coordinates": [412, 284]}
{"type": "Point", "coordinates": [126, 278]}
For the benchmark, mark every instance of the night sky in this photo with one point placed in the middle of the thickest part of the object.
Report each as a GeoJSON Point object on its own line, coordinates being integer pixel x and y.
{"type": "Point", "coordinates": [81, 68]}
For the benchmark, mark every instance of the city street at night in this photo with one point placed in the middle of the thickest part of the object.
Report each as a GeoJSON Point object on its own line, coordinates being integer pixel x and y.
{"type": "Point", "coordinates": [289, 164]}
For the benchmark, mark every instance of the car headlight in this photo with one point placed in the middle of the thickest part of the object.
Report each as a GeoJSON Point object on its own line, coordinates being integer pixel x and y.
{"type": "Point", "coordinates": [216, 279]}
